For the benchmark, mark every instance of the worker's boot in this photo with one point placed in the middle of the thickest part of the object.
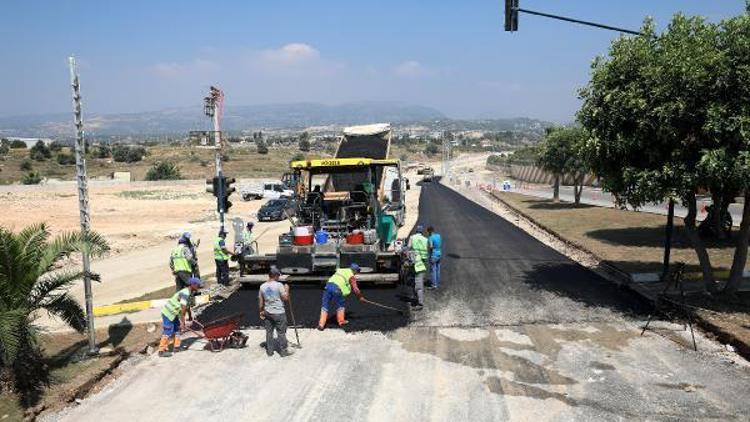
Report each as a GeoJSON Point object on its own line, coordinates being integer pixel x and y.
{"type": "Point", "coordinates": [164, 347]}
{"type": "Point", "coordinates": [341, 317]}
{"type": "Point", "coordinates": [323, 320]}
{"type": "Point", "coordinates": [177, 343]}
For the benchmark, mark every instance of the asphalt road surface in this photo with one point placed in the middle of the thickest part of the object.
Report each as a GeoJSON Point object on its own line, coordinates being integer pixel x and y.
{"type": "Point", "coordinates": [517, 332]}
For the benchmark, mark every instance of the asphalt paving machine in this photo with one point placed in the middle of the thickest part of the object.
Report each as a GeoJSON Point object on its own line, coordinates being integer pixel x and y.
{"type": "Point", "coordinates": [349, 210]}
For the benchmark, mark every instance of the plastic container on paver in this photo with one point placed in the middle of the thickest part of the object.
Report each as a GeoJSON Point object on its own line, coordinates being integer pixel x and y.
{"type": "Point", "coordinates": [321, 237]}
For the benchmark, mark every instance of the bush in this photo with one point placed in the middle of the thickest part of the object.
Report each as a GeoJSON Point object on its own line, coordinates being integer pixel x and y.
{"type": "Point", "coordinates": [56, 146]}
{"type": "Point", "coordinates": [304, 145]}
{"type": "Point", "coordinates": [262, 148]}
{"type": "Point", "coordinates": [4, 146]}
{"type": "Point", "coordinates": [18, 144]}
{"type": "Point", "coordinates": [26, 165]}
{"type": "Point", "coordinates": [431, 149]}
{"type": "Point", "coordinates": [163, 170]}
{"type": "Point", "coordinates": [125, 154]}
{"type": "Point", "coordinates": [32, 178]}
{"type": "Point", "coordinates": [65, 159]}
{"type": "Point", "coordinates": [298, 157]}
{"type": "Point", "coordinates": [40, 152]}
{"type": "Point", "coordinates": [102, 151]}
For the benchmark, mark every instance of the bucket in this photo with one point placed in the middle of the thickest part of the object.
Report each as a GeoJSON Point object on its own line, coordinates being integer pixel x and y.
{"type": "Point", "coordinates": [321, 237]}
{"type": "Point", "coordinates": [303, 240]}
{"type": "Point", "coordinates": [303, 231]}
{"type": "Point", "coordinates": [355, 238]}
{"type": "Point", "coordinates": [370, 236]}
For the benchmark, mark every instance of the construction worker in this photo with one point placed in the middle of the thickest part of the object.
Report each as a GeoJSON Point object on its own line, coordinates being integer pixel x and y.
{"type": "Point", "coordinates": [338, 287]}
{"type": "Point", "coordinates": [419, 246]}
{"type": "Point", "coordinates": [221, 257]}
{"type": "Point", "coordinates": [173, 316]}
{"type": "Point", "coordinates": [182, 261]}
{"type": "Point", "coordinates": [271, 297]}
{"type": "Point", "coordinates": [247, 233]}
{"type": "Point", "coordinates": [436, 252]}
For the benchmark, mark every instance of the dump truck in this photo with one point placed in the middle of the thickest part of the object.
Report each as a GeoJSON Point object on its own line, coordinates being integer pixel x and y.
{"type": "Point", "coordinates": [350, 208]}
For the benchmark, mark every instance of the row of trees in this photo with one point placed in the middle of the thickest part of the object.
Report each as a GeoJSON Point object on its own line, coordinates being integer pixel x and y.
{"type": "Point", "coordinates": [666, 116]}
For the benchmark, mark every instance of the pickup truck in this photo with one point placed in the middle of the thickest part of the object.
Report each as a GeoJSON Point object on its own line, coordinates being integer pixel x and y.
{"type": "Point", "coordinates": [267, 190]}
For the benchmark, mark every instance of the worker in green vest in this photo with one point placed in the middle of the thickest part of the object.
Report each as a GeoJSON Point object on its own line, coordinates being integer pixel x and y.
{"type": "Point", "coordinates": [419, 246]}
{"type": "Point", "coordinates": [173, 316]}
{"type": "Point", "coordinates": [221, 257]}
{"type": "Point", "coordinates": [338, 287]}
{"type": "Point", "coordinates": [247, 233]}
{"type": "Point", "coordinates": [182, 262]}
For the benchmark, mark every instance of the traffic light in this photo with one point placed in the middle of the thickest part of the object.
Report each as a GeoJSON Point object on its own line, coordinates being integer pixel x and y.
{"type": "Point", "coordinates": [511, 15]}
{"type": "Point", "coordinates": [227, 190]}
{"type": "Point", "coordinates": [213, 186]}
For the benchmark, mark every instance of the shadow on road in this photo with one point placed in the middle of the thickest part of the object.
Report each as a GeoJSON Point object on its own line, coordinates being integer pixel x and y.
{"type": "Point", "coordinates": [581, 285]}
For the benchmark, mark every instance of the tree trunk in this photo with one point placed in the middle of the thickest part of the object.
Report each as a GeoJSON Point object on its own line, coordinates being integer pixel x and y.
{"type": "Point", "coordinates": [700, 248]}
{"type": "Point", "coordinates": [556, 189]}
{"type": "Point", "coordinates": [578, 188]}
{"type": "Point", "coordinates": [740, 254]}
{"type": "Point", "coordinates": [716, 220]}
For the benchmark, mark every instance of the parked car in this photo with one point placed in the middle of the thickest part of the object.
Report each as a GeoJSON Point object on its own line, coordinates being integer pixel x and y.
{"type": "Point", "coordinates": [277, 209]}
{"type": "Point", "coordinates": [268, 190]}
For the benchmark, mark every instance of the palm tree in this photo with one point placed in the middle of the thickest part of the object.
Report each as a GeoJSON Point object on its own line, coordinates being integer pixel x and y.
{"type": "Point", "coordinates": [31, 281]}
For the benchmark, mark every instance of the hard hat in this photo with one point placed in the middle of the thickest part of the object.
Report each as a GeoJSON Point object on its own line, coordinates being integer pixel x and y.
{"type": "Point", "coordinates": [354, 267]}
{"type": "Point", "coordinates": [195, 281]}
{"type": "Point", "coordinates": [420, 228]}
{"type": "Point", "coordinates": [274, 271]}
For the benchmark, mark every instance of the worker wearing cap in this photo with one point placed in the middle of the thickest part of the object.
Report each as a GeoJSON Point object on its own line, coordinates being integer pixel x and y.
{"type": "Point", "coordinates": [221, 257]}
{"type": "Point", "coordinates": [339, 286]}
{"type": "Point", "coordinates": [271, 297]}
{"type": "Point", "coordinates": [419, 246]}
{"type": "Point", "coordinates": [182, 261]}
{"type": "Point", "coordinates": [173, 316]}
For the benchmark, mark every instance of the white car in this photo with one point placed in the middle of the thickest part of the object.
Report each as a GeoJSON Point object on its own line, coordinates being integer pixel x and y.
{"type": "Point", "coordinates": [267, 190]}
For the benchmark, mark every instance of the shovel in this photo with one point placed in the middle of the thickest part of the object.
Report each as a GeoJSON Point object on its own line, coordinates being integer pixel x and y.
{"type": "Point", "coordinates": [294, 323]}
{"type": "Point", "coordinates": [380, 305]}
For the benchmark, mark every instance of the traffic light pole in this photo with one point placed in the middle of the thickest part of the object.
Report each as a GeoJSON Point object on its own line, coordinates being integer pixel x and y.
{"type": "Point", "coordinates": [511, 19]}
{"type": "Point", "coordinates": [219, 171]}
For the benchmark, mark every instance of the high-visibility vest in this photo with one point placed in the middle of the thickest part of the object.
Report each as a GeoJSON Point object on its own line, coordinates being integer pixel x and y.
{"type": "Point", "coordinates": [420, 245]}
{"type": "Point", "coordinates": [173, 306]}
{"type": "Point", "coordinates": [419, 266]}
{"type": "Point", "coordinates": [247, 236]}
{"type": "Point", "coordinates": [219, 253]}
{"type": "Point", "coordinates": [341, 280]}
{"type": "Point", "coordinates": [179, 262]}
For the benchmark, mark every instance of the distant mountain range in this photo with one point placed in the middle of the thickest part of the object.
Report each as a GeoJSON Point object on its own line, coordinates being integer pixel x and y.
{"type": "Point", "coordinates": [179, 121]}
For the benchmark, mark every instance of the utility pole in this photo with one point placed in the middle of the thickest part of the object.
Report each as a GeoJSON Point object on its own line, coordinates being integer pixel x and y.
{"type": "Point", "coordinates": [447, 154]}
{"type": "Point", "coordinates": [213, 107]}
{"type": "Point", "coordinates": [83, 201]}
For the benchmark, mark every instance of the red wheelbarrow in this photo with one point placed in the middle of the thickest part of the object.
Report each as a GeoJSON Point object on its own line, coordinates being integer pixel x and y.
{"type": "Point", "coordinates": [222, 333]}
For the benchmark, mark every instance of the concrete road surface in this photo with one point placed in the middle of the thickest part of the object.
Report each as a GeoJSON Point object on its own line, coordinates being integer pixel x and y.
{"type": "Point", "coordinates": [517, 332]}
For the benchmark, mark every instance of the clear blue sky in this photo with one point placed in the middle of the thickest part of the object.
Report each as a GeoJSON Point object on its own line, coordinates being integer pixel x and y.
{"type": "Point", "coordinates": [453, 55]}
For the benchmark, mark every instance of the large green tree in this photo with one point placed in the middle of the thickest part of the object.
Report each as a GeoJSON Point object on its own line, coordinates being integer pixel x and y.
{"type": "Point", "coordinates": [30, 283]}
{"type": "Point", "coordinates": [669, 116]}
{"type": "Point", "coordinates": [561, 152]}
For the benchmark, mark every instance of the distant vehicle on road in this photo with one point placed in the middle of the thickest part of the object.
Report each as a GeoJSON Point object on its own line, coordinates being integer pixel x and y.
{"type": "Point", "coordinates": [267, 190]}
{"type": "Point", "coordinates": [277, 209]}
{"type": "Point", "coordinates": [428, 175]}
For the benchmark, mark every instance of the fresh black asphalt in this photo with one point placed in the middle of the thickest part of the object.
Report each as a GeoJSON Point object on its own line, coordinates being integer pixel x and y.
{"type": "Point", "coordinates": [493, 274]}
